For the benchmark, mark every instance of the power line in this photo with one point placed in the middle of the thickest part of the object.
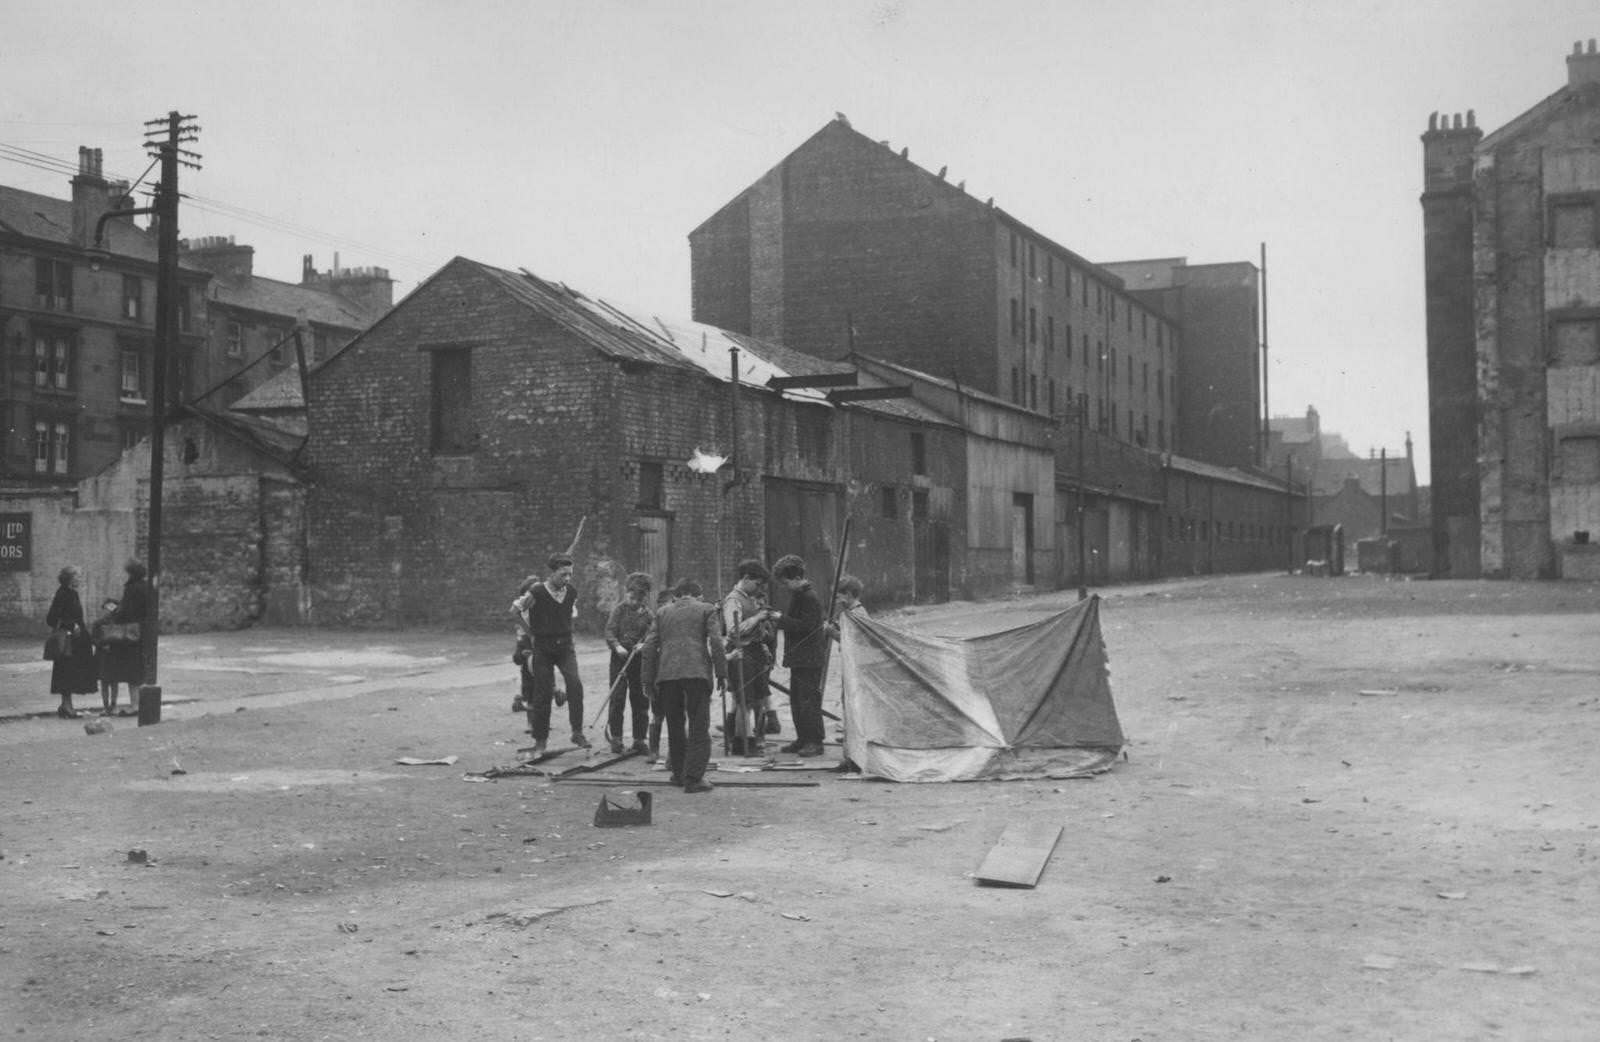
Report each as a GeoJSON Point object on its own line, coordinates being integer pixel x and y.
{"type": "Point", "coordinates": [52, 164]}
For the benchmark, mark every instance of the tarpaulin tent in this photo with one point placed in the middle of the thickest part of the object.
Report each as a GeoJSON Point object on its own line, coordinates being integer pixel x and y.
{"type": "Point", "coordinates": [1029, 702]}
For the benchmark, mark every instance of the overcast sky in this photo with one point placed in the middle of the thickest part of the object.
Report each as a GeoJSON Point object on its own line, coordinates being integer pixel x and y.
{"type": "Point", "coordinates": [584, 139]}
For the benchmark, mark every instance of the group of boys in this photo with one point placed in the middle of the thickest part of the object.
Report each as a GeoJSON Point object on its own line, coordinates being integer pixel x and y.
{"type": "Point", "coordinates": [664, 664]}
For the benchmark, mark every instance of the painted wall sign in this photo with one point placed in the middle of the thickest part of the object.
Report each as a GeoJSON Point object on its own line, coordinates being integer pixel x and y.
{"type": "Point", "coordinates": [16, 542]}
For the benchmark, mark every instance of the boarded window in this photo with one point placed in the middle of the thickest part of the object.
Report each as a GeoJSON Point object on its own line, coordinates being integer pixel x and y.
{"type": "Point", "coordinates": [1573, 226]}
{"type": "Point", "coordinates": [650, 486]}
{"type": "Point", "coordinates": [812, 435]}
{"type": "Point", "coordinates": [1580, 461]}
{"type": "Point", "coordinates": [453, 430]}
{"type": "Point", "coordinates": [1577, 343]}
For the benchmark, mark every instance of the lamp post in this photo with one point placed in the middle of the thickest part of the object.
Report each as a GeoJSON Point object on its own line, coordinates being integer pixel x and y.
{"type": "Point", "coordinates": [176, 129]}
{"type": "Point", "coordinates": [1083, 580]}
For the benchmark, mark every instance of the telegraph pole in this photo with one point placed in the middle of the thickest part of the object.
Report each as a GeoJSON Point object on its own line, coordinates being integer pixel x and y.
{"type": "Point", "coordinates": [164, 138]}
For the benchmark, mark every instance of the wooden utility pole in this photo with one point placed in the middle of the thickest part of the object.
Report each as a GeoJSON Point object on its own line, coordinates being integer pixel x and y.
{"type": "Point", "coordinates": [166, 137]}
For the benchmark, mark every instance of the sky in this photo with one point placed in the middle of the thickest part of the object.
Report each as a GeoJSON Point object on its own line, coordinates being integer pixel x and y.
{"type": "Point", "coordinates": [584, 139]}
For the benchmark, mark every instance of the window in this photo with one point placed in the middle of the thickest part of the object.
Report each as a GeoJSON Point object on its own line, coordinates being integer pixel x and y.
{"type": "Point", "coordinates": [1573, 224]}
{"type": "Point", "coordinates": [1113, 305]}
{"type": "Point", "coordinates": [1049, 269]}
{"type": "Point", "coordinates": [52, 361]}
{"type": "Point", "coordinates": [1144, 377]}
{"type": "Point", "coordinates": [1013, 249]}
{"type": "Point", "coordinates": [919, 505]}
{"type": "Point", "coordinates": [52, 447]}
{"type": "Point", "coordinates": [178, 385]}
{"type": "Point", "coordinates": [132, 434]}
{"type": "Point", "coordinates": [132, 386]}
{"type": "Point", "coordinates": [1161, 332]}
{"type": "Point", "coordinates": [888, 503]}
{"type": "Point", "coordinates": [1576, 343]}
{"type": "Point", "coordinates": [919, 453]}
{"type": "Point", "coordinates": [1033, 263]}
{"type": "Point", "coordinates": [235, 340]}
{"type": "Point", "coordinates": [1033, 325]}
{"type": "Point", "coordinates": [185, 309]}
{"type": "Point", "coordinates": [452, 401]}
{"type": "Point", "coordinates": [1100, 355]}
{"type": "Point", "coordinates": [1016, 317]}
{"type": "Point", "coordinates": [1052, 397]}
{"type": "Point", "coordinates": [650, 486]}
{"type": "Point", "coordinates": [279, 342]}
{"type": "Point", "coordinates": [1033, 392]}
{"type": "Point", "coordinates": [1086, 351]}
{"type": "Point", "coordinates": [1049, 334]}
{"type": "Point", "coordinates": [1068, 342]}
{"type": "Point", "coordinates": [1016, 386]}
{"type": "Point", "coordinates": [1161, 434]}
{"type": "Point", "coordinates": [132, 297]}
{"type": "Point", "coordinates": [52, 284]}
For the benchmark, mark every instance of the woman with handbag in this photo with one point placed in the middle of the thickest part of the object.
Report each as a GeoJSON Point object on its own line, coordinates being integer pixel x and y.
{"type": "Point", "coordinates": [73, 672]}
{"type": "Point", "coordinates": [124, 654]}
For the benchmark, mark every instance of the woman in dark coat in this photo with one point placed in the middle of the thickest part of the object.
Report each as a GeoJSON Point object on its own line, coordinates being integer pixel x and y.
{"type": "Point", "coordinates": [124, 660]}
{"type": "Point", "coordinates": [76, 673]}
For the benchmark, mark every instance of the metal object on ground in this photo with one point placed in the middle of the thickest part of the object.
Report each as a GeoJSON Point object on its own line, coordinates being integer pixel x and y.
{"type": "Point", "coordinates": [610, 814]}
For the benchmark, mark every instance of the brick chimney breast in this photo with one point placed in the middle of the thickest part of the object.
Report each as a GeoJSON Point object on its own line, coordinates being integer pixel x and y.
{"type": "Point", "coordinates": [1583, 67]}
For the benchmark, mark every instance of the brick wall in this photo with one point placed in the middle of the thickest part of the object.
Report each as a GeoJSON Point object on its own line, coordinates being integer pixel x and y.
{"type": "Point", "coordinates": [845, 227]}
{"type": "Point", "coordinates": [1452, 350]}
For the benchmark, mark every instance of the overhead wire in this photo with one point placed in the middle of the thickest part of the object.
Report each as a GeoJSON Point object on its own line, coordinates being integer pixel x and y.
{"type": "Point", "coordinates": [52, 164]}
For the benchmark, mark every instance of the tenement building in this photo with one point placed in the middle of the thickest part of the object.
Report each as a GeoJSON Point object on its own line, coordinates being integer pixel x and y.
{"type": "Point", "coordinates": [1511, 232]}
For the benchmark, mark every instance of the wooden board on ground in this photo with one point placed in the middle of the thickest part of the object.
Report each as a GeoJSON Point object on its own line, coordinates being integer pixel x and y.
{"type": "Point", "coordinates": [549, 754]}
{"type": "Point", "coordinates": [581, 768]}
{"type": "Point", "coordinates": [1018, 859]}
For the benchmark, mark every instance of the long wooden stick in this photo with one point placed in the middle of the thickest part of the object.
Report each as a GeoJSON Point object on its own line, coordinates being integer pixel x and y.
{"type": "Point", "coordinates": [572, 548]}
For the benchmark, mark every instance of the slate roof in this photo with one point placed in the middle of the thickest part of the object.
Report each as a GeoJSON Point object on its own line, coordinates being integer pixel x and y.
{"type": "Point", "coordinates": [279, 393]}
{"type": "Point", "coordinates": [286, 299]}
{"type": "Point", "coordinates": [639, 335]}
{"type": "Point", "coordinates": [278, 439]}
{"type": "Point", "coordinates": [44, 217]}
{"type": "Point", "coordinates": [1219, 473]}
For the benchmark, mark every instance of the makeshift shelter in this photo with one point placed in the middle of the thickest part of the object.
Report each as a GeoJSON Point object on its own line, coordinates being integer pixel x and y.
{"type": "Point", "coordinates": [1029, 702]}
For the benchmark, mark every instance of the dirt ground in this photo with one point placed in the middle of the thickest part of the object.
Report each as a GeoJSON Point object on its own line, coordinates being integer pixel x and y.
{"type": "Point", "coordinates": [1351, 809]}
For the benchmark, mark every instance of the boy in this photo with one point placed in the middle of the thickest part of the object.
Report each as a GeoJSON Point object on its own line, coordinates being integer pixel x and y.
{"type": "Point", "coordinates": [550, 608]}
{"type": "Point", "coordinates": [629, 622]}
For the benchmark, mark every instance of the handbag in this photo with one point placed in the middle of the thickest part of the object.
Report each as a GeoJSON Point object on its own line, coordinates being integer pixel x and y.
{"type": "Point", "coordinates": [122, 633]}
{"type": "Point", "coordinates": [58, 645]}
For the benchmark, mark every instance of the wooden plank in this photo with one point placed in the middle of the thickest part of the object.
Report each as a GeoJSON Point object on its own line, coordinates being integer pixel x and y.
{"type": "Point", "coordinates": [1018, 859]}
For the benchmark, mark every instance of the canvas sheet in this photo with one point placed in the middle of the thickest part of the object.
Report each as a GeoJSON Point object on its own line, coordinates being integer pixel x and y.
{"type": "Point", "coordinates": [1029, 702]}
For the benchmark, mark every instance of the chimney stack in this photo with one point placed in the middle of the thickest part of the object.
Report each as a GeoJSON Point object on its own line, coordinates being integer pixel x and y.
{"type": "Point", "coordinates": [91, 196]}
{"type": "Point", "coordinates": [370, 289]}
{"type": "Point", "coordinates": [1583, 67]}
{"type": "Point", "coordinates": [219, 255]}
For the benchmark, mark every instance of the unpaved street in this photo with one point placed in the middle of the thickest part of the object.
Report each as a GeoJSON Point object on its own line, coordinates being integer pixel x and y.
{"type": "Point", "coordinates": [1281, 856]}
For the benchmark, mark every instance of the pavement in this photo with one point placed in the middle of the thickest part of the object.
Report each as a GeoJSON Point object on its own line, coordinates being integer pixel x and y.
{"type": "Point", "coordinates": [220, 672]}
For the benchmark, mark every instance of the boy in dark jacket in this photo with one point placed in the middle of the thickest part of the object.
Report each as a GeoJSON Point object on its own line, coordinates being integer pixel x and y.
{"type": "Point", "coordinates": [805, 652]}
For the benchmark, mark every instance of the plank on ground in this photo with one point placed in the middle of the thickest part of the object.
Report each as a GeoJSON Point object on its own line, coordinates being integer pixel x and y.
{"type": "Point", "coordinates": [1019, 857]}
